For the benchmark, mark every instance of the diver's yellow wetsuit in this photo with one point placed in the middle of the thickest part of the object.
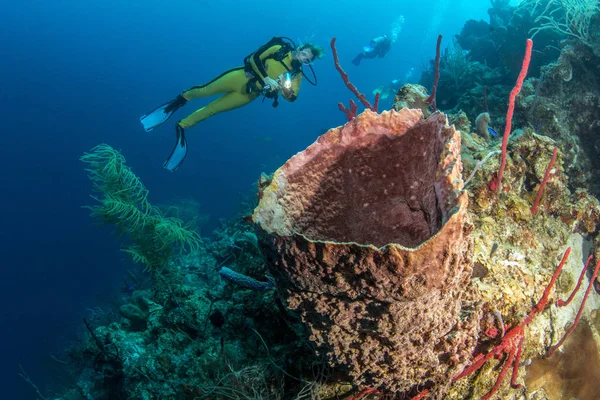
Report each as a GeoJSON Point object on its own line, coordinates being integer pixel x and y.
{"type": "Point", "coordinates": [242, 85]}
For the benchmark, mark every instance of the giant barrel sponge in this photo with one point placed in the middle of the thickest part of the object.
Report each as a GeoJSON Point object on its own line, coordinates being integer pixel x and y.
{"type": "Point", "coordinates": [367, 235]}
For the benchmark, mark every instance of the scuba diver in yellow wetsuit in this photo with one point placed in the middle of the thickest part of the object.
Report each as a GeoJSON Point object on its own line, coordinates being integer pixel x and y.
{"type": "Point", "coordinates": [275, 68]}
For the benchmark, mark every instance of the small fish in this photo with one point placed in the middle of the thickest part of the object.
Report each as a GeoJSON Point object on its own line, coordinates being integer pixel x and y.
{"type": "Point", "coordinates": [492, 131]}
{"type": "Point", "coordinates": [494, 248]}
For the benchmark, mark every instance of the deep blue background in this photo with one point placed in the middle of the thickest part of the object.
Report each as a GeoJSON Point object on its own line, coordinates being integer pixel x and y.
{"type": "Point", "coordinates": [77, 73]}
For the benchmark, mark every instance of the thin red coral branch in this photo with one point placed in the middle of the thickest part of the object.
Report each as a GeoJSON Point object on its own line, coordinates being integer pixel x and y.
{"type": "Point", "coordinates": [513, 379]}
{"type": "Point", "coordinates": [541, 305]}
{"type": "Point", "coordinates": [507, 364]}
{"type": "Point", "coordinates": [376, 102]}
{"type": "Point", "coordinates": [497, 180]}
{"type": "Point", "coordinates": [351, 112]}
{"type": "Point", "coordinates": [363, 393]}
{"type": "Point", "coordinates": [421, 395]}
{"type": "Point", "coordinates": [436, 77]}
{"type": "Point", "coordinates": [562, 303]}
{"type": "Point", "coordinates": [536, 203]}
{"type": "Point", "coordinates": [579, 313]}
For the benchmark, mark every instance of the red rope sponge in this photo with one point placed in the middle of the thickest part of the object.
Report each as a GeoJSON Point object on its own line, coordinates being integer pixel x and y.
{"type": "Point", "coordinates": [436, 77]}
{"type": "Point", "coordinates": [497, 180]}
{"type": "Point", "coordinates": [351, 112]}
{"type": "Point", "coordinates": [536, 203]}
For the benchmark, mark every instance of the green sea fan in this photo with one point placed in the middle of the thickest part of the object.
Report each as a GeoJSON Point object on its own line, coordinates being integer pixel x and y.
{"type": "Point", "coordinates": [122, 200]}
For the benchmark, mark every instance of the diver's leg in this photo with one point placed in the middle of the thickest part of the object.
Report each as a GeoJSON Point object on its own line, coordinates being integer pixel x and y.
{"type": "Point", "coordinates": [226, 102]}
{"type": "Point", "coordinates": [228, 81]}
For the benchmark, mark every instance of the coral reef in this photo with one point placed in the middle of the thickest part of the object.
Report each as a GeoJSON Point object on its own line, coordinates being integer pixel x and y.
{"type": "Point", "coordinates": [559, 100]}
{"type": "Point", "coordinates": [564, 104]}
{"type": "Point", "coordinates": [512, 246]}
{"type": "Point", "coordinates": [192, 335]}
{"type": "Point", "coordinates": [384, 314]}
{"type": "Point", "coordinates": [412, 96]}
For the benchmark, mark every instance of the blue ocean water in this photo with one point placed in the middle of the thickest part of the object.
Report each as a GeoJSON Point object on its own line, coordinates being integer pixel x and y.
{"type": "Point", "coordinates": [74, 74]}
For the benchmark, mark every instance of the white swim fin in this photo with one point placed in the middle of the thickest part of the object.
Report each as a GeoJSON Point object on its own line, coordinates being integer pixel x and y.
{"type": "Point", "coordinates": [178, 153]}
{"type": "Point", "coordinates": [161, 114]}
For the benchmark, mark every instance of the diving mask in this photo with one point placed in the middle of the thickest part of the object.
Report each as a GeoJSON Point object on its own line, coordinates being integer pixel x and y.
{"type": "Point", "coordinates": [304, 57]}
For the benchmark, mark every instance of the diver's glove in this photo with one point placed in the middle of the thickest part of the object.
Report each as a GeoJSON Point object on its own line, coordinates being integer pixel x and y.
{"type": "Point", "coordinates": [271, 85]}
{"type": "Point", "coordinates": [179, 151]}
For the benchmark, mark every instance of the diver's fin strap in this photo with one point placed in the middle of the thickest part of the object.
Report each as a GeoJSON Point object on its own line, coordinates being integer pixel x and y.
{"type": "Point", "coordinates": [176, 104]}
{"type": "Point", "coordinates": [179, 152]}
